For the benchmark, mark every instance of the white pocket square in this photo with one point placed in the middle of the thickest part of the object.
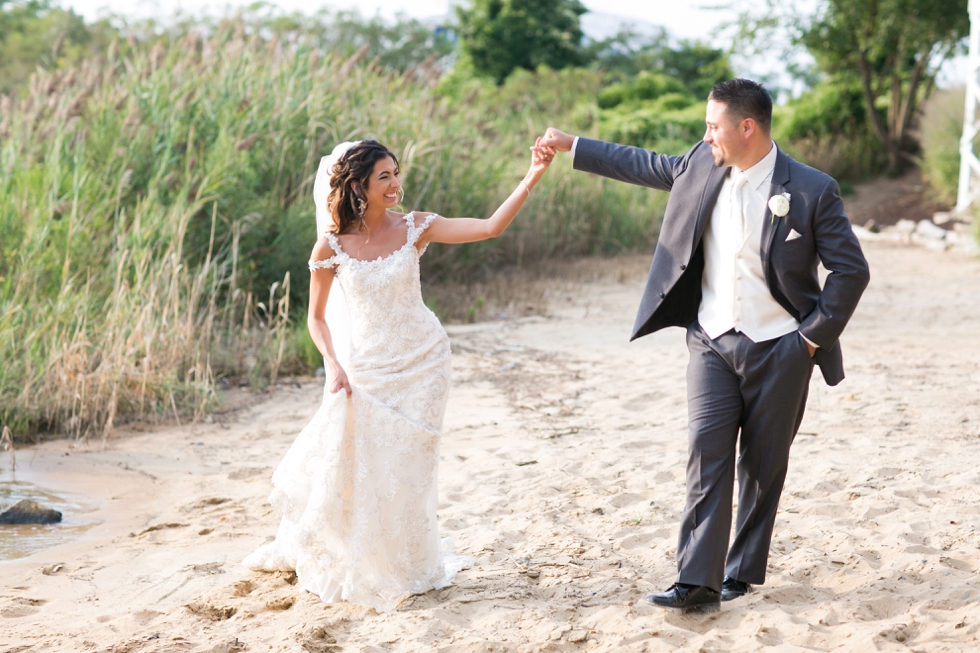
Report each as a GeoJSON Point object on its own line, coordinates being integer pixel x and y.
{"type": "Point", "coordinates": [793, 235]}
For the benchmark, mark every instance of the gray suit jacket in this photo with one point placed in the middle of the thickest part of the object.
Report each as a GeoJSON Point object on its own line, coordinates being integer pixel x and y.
{"type": "Point", "coordinates": [673, 292]}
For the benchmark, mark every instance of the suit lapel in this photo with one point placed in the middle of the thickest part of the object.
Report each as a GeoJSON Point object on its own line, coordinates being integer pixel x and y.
{"type": "Point", "coordinates": [709, 195]}
{"type": "Point", "coordinates": [780, 177]}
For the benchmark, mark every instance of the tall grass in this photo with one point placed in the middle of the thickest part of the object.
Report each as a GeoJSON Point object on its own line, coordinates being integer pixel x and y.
{"type": "Point", "coordinates": [942, 127]}
{"type": "Point", "coordinates": [155, 213]}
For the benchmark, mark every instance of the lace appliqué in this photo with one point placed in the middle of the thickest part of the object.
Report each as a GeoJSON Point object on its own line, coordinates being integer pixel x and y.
{"type": "Point", "coordinates": [415, 232]}
{"type": "Point", "coordinates": [358, 488]}
{"type": "Point", "coordinates": [338, 257]}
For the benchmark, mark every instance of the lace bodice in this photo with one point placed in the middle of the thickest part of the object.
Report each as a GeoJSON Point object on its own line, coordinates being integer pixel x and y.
{"type": "Point", "coordinates": [384, 298]}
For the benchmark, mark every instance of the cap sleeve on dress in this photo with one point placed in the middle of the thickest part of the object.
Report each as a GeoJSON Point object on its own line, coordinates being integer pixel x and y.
{"type": "Point", "coordinates": [332, 262]}
{"type": "Point", "coordinates": [417, 231]}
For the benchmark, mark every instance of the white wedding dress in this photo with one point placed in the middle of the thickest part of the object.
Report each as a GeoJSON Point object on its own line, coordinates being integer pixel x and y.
{"type": "Point", "coordinates": [357, 490]}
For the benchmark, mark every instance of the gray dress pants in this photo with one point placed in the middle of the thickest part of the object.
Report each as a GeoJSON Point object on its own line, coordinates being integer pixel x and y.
{"type": "Point", "coordinates": [750, 395]}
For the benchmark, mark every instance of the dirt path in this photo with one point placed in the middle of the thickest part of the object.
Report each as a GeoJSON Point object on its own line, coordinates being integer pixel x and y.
{"type": "Point", "coordinates": [562, 472]}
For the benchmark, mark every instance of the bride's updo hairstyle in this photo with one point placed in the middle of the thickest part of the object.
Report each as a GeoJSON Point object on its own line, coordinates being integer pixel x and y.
{"type": "Point", "coordinates": [351, 175]}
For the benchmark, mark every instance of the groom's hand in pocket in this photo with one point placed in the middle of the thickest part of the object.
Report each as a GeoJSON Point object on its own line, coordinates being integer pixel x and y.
{"type": "Point", "coordinates": [557, 139]}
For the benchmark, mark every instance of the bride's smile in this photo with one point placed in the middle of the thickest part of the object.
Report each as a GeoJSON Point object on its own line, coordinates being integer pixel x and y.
{"type": "Point", "coordinates": [382, 191]}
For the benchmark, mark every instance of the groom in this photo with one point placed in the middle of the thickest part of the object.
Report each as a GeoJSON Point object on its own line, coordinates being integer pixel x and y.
{"type": "Point", "coordinates": [737, 268]}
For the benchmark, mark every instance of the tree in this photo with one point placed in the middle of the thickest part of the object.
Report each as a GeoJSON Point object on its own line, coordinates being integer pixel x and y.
{"type": "Point", "coordinates": [397, 44]}
{"type": "Point", "coordinates": [896, 46]}
{"type": "Point", "coordinates": [627, 54]}
{"type": "Point", "coordinates": [697, 65]}
{"type": "Point", "coordinates": [35, 33]}
{"type": "Point", "coordinates": [498, 36]}
{"type": "Point", "coordinates": [893, 48]}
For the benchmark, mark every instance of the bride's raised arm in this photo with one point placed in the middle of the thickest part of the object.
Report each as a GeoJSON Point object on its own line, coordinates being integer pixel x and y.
{"type": "Point", "coordinates": [469, 230]}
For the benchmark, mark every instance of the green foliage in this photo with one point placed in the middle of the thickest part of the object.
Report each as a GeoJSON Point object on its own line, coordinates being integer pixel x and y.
{"type": "Point", "coordinates": [155, 212]}
{"type": "Point", "coordinates": [661, 108]}
{"type": "Point", "coordinates": [490, 128]}
{"type": "Point", "coordinates": [500, 36]}
{"type": "Point", "coordinates": [35, 33]}
{"type": "Point", "coordinates": [698, 66]}
{"type": "Point", "coordinates": [832, 107]}
{"type": "Point", "coordinates": [641, 89]}
{"type": "Point", "coordinates": [656, 126]}
{"type": "Point", "coordinates": [399, 44]}
{"type": "Point", "coordinates": [942, 127]}
{"type": "Point", "coordinates": [626, 54]}
{"type": "Point", "coordinates": [626, 58]}
{"type": "Point", "coordinates": [827, 128]}
{"type": "Point", "coordinates": [890, 49]}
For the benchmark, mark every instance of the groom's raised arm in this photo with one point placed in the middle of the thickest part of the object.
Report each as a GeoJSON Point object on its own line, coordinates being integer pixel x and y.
{"type": "Point", "coordinates": [634, 165]}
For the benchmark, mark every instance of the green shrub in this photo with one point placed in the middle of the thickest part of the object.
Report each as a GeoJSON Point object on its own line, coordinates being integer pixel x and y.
{"type": "Point", "coordinates": [663, 130]}
{"type": "Point", "coordinates": [830, 108]}
{"type": "Point", "coordinates": [826, 128]}
{"type": "Point", "coordinates": [643, 87]}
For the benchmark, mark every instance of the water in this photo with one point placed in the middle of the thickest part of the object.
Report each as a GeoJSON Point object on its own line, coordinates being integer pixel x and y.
{"type": "Point", "coordinates": [23, 540]}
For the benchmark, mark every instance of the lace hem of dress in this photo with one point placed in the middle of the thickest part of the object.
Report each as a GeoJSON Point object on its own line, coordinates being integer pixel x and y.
{"type": "Point", "coordinates": [270, 558]}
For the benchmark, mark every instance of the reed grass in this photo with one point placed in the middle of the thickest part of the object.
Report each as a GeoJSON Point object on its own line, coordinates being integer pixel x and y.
{"type": "Point", "coordinates": [942, 128]}
{"type": "Point", "coordinates": [155, 213]}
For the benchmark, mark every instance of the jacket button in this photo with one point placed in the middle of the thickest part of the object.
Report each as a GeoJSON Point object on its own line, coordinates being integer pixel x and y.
{"type": "Point", "coordinates": [662, 295]}
{"type": "Point", "coordinates": [683, 267]}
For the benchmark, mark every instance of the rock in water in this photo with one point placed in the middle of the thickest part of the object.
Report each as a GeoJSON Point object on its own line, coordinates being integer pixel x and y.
{"type": "Point", "coordinates": [29, 512]}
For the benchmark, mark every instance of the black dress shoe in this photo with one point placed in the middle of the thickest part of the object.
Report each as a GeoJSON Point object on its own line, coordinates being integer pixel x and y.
{"type": "Point", "coordinates": [687, 598]}
{"type": "Point", "coordinates": [733, 589]}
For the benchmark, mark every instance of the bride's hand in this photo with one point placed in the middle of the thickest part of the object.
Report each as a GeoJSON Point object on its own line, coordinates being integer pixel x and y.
{"type": "Point", "coordinates": [339, 380]}
{"type": "Point", "coordinates": [541, 158]}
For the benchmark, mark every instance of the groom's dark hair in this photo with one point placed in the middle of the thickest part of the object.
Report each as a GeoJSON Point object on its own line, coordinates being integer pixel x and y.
{"type": "Point", "coordinates": [743, 99]}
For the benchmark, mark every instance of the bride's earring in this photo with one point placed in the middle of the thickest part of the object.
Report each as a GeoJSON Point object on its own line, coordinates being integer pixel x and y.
{"type": "Point", "coordinates": [358, 204]}
{"type": "Point", "coordinates": [401, 194]}
{"type": "Point", "coordinates": [357, 200]}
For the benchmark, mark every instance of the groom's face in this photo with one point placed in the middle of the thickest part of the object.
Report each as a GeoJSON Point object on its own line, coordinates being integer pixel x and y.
{"type": "Point", "coordinates": [723, 135]}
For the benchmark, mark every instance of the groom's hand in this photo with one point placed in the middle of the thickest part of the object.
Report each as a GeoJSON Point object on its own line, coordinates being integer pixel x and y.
{"type": "Point", "coordinates": [557, 139]}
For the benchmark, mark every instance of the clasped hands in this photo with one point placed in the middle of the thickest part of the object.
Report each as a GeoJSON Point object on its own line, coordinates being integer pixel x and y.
{"type": "Point", "coordinates": [546, 146]}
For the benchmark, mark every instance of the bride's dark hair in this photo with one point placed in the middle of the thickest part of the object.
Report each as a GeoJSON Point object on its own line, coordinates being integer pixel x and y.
{"type": "Point", "coordinates": [352, 173]}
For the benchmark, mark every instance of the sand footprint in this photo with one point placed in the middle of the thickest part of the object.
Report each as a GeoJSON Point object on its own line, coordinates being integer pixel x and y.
{"type": "Point", "coordinates": [205, 503]}
{"type": "Point", "coordinates": [318, 640]}
{"type": "Point", "coordinates": [17, 607]}
{"type": "Point", "coordinates": [209, 611]}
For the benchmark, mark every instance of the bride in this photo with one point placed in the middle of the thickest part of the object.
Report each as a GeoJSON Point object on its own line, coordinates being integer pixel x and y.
{"type": "Point", "coordinates": [357, 490]}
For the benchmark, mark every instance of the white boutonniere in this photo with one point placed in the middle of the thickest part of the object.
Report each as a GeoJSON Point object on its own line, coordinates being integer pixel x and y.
{"type": "Point", "coordinates": [779, 206]}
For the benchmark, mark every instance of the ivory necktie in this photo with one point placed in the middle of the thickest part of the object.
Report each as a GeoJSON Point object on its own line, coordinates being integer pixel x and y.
{"type": "Point", "coordinates": [739, 182]}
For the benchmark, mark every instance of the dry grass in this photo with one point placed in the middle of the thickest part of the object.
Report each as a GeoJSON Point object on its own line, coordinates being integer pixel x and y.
{"type": "Point", "coordinates": [941, 129]}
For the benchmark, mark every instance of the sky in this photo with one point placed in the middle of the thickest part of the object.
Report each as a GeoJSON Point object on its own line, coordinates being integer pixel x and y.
{"type": "Point", "coordinates": [684, 18]}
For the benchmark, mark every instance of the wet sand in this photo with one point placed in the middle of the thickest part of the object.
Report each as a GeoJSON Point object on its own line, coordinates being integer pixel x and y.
{"type": "Point", "coordinates": [562, 472]}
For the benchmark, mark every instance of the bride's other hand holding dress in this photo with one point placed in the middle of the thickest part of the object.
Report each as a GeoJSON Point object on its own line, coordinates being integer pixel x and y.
{"type": "Point", "coordinates": [358, 488]}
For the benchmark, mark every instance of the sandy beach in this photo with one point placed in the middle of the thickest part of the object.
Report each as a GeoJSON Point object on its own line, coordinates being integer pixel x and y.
{"type": "Point", "coordinates": [562, 473]}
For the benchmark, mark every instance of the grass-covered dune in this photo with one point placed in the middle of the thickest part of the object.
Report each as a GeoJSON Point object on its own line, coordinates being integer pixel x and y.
{"type": "Point", "coordinates": [155, 211]}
